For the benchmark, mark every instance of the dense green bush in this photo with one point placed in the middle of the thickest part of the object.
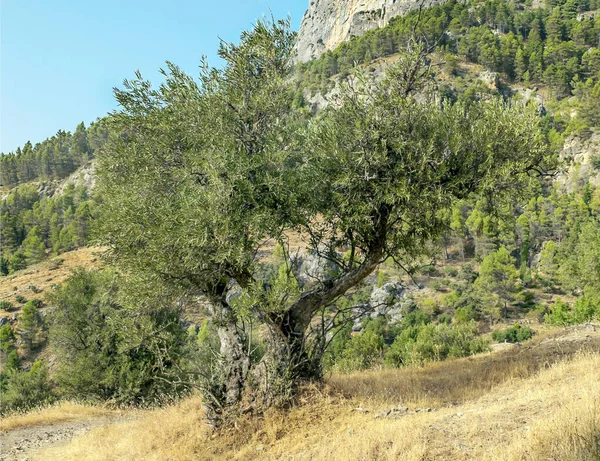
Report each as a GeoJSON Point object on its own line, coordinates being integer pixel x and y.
{"type": "Point", "coordinates": [23, 390]}
{"type": "Point", "coordinates": [38, 303]}
{"type": "Point", "coordinates": [560, 314]}
{"type": "Point", "coordinates": [445, 318]}
{"type": "Point", "coordinates": [7, 338]}
{"type": "Point", "coordinates": [586, 308]}
{"type": "Point", "coordinates": [20, 299]}
{"type": "Point", "coordinates": [6, 306]}
{"type": "Point", "coordinates": [105, 350]}
{"type": "Point", "coordinates": [465, 314]}
{"type": "Point", "coordinates": [361, 351]}
{"type": "Point", "coordinates": [514, 334]}
{"type": "Point", "coordinates": [415, 341]}
{"type": "Point", "coordinates": [450, 271]}
{"type": "Point", "coordinates": [426, 343]}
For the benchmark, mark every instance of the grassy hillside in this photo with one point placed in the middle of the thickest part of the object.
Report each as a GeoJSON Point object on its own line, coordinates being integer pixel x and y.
{"type": "Point", "coordinates": [35, 281]}
{"type": "Point", "coordinates": [540, 401]}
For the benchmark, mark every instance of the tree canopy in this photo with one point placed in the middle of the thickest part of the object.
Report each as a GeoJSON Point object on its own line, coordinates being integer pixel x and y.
{"type": "Point", "coordinates": [204, 173]}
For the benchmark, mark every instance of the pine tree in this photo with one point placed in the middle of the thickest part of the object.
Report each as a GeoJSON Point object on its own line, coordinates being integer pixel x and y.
{"type": "Point", "coordinates": [80, 147]}
{"type": "Point", "coordinates": [521, 64]}
{"type": "Point", "coordinates": [28, 324]}
{"type": "Point", "coordinates": [33, 246]}
{"type": "Point", "coordinates": [498, 282]}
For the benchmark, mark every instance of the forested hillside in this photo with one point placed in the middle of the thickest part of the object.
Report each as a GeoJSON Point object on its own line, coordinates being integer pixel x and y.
{"type": "Point", "coordinates": [40, 215]}
{"type": "Point", "coordinates": [54, 158]}
{"type": "Point", "coordinates": [555, 45]}
{"type": "Point", "coordinates": [258, 241]}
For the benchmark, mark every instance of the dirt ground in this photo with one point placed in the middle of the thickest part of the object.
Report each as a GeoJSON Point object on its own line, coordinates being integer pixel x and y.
{"type": "Point", "coordinates": [22, 444]}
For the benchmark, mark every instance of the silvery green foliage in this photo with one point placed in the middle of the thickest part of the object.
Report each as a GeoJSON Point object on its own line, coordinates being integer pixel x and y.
{"type": "Point", "coordinates": [204, 173]}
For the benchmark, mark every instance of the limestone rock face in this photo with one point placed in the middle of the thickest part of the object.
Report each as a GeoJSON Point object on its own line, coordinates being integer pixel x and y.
{"type": "Point", "coordinates": [581, 155]}
{"type": "Point", "coordinates": [392, 300]}
{"type": "Point", "coordinates": [327, 23]}
{"type": "Point", "coordinates": [310, 267]}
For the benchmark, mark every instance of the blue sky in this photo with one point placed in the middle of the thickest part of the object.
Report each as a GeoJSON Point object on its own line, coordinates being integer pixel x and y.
{"type": "Point", "coordinates": [60, 59]}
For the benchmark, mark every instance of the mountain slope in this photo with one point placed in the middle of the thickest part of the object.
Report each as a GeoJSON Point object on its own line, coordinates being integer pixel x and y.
{"type": "Point", "coordinates": [327, 23]}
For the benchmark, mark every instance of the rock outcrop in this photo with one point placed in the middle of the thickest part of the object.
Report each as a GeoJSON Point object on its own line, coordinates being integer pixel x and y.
{"type": "Point", "coordinates": [582, 155]}
{"type": "Point", "coordinates": [327, 23]}
{"type": "Point", "coordinates": [393, 300]}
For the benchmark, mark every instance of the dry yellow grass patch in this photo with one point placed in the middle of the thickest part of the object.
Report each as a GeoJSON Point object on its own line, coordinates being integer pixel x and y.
{"type": "Point", "coordinates": [64, 411]}
{"type": "Point", "coordinates": [456, 381]}
{"type": "Point", "coordinates": [535, 412]}
{"type": "Point", "coordinates": [46, 274]}
{"type": "Point", "coordinates": [175, 432]}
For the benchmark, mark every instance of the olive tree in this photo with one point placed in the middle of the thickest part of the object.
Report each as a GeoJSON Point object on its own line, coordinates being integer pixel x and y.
{"type": "Point", "coordinates": [198, 178]}
{"type": "Point", "coordinates": [203, 173]}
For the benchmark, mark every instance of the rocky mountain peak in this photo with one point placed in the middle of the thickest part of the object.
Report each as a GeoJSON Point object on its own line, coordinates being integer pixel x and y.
{"type": "Point", "coordinates": [327, 23]}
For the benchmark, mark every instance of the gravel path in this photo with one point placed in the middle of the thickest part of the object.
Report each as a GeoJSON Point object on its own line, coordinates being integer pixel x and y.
{"type": "Point", "coordinates": [20, 444]}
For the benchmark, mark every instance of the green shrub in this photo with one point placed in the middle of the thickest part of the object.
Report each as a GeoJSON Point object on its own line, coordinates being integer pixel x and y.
{"type": "Point", "coordinates": [427, 343]}
{"type": "Point", "coordinates": [361, 352]}
{"type": "Point", "coordinates": [450, 271]}
{"type": "Point", "coordinates": [7, 338]}
{"type": "Point", "coordinates": [527, 298]}
{"type": "Point", "coordinates": [445, 318]}
{"type": "Point", "coordinates": [437, 285]}
{"type": "Point", "coordinates": [429, 270]}
{"type": "Point", "coordinates": [514, 334]}
{"type": "Point", "coordinates": [335, 351]}
{"type": "Point", "coordinates": [586, 308]}
{"type": "Point", "coordinates": [468, 273]}
{"type": "Point", "coordinates": [17, 262]}
{"type": "Point", "coordinates": [559, 314]}
{"type": "Point", "coordinates": [430, 306]}
{"type": "Point", "coordinates": [29, 324]}
{"type": "Point", "coordinates": [20, 299]}
{"type": "Point", "coordinates": [12, 360]}
{"type": "Point", "coordinates": [37, 303]}
{"type": "Point", "coordinates": [24, 390]}
{"type": "Point", "coordinates": [415, 318]}
{"type": "Point", "coordinates": [451, 299]}
{"type": "Point", "coordinates": [465, 314]}
{"type": "Point", "coordinates": [106, 349]}
{"type": "Point", "coordinates": [34, 289]}
{"type": "Point", "coordinates": [6, 306]}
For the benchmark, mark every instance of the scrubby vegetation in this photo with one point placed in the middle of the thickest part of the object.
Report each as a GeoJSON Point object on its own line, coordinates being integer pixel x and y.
{"type": "Point", "coordinates": [514, 334]}
{"type": "Point", "coordinates": [107, 351]}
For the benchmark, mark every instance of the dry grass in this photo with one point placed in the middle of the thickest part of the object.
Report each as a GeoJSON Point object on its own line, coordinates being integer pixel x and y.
{"type": "Point", "coordinates": [46, 274]}
{"type": "Point", "coordinates": [64, 411]}
{"type": "Point", "coordinates": [456, 381]}
{"type": "Point", "coordinates": [514, 411]}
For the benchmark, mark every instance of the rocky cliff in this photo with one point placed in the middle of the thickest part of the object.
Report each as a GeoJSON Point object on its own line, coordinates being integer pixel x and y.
{"type": "Point", "coordinates": [581, 156]}
{"type": "Point", "coordinates": [327, 23]}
